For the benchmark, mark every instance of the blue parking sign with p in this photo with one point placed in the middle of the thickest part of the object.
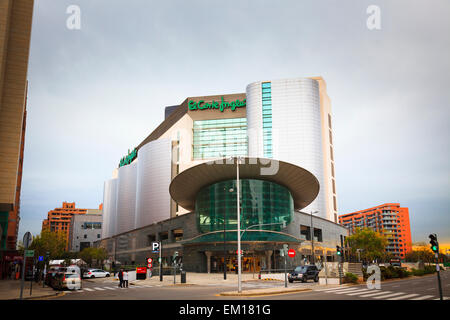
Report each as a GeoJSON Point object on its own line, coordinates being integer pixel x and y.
{"type": "Point", "coordinates": [155, 247]}
{"type": "Point", "coordinates": [41, 258]}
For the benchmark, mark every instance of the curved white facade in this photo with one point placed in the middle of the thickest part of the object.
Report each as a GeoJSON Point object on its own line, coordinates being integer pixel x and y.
{"type": "Point", "coordinates": [109, 208]}
{"type": "Point", "coordinates": [153, 180]}
{"type": "Point", "coordinates": [126, 197]}
{"type": "Point", "coordinates": [296, 128]}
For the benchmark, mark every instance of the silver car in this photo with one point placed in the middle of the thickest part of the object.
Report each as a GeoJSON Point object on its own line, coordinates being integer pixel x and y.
{"type": "Point", "coordinates": [96, 273]}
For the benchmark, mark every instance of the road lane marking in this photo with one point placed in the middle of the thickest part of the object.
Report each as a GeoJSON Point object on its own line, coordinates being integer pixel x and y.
{"type": "Point", "coordinates": [373, 294]}
{"type": "Point", "coordinates": [404, 297]}
{"type": "Point", "coordinates": [389, 295]}
{"type": "Point", "coordinates": [110, 288]}
{"type": "Point", "coordinates": [87, 289]}
{"type": "Point", "coordinates": [422, 298]}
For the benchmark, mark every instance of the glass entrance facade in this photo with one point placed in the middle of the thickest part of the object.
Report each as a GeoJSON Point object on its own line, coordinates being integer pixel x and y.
{"type": "Point", "coordinates": [265, 205]}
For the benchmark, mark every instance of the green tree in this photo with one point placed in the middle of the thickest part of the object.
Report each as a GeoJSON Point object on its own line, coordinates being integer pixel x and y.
{"type": "Point", "coordinates": [101, 255]}
{"type": "Point", "coordinates": [371, 244]}
{"type": "Point", "coordinates": [47, 241]}
{"type": "Point", "coordinates": [88, 255]}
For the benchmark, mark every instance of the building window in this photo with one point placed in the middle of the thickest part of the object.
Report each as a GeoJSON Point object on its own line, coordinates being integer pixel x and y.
{"type": "Point", "coordinates": [163, 236]}
{"type": "Point", "coordinates": [329, 121]}
{"type": "Point", "coordinates": [85, 236]}
{"type": "Point", "coordinates": [177, 234]}
{"type": "Point", "coordinates": [318, 235]}
{"type": "Point", "coordinates": [150, 238]}
{"type": "Point", "coordinates": [305, 232]}
{"type": "Point", "coordinates": [266, 88]}
{"type": "Point", "coordinates": [98, 236]}
{"type": "Point", "coordinates": [219, 138]}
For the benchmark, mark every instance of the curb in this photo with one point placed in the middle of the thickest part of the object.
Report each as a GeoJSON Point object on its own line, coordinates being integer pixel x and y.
{"type": "Point", "coordinates": [45, 296]}
{"type": "Point", "coordinates": [256, 293]}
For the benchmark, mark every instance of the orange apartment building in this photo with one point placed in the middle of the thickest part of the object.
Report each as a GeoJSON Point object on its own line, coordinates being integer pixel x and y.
{"type": "Point", "coordinates": [388, 219]}
{"type": "Point", "coordinates": [58, 219]}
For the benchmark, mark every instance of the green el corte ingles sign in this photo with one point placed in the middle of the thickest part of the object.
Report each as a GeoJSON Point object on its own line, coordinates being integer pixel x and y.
{"type": "Point", "coordinates": [128, 158]}
{"type": "Point", "coordinates": [222, 105]}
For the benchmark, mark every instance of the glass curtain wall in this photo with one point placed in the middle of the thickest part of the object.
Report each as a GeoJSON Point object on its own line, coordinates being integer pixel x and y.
{"type": "Point", "coordinates": [264, 205]}
{"type": "Point", "coordinates": [219, 138]}
{"type": "Point", "coordinates": [266, 89]}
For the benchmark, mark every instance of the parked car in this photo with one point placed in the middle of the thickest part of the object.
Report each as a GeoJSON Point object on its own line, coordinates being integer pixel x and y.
{"type": "Point", "coordinates": [304, 273]}
{"type": "Point", "coordinates": [72, 269]}
{"type": "Point", "coordinates": [50, 275]}
{"type": "Point", "coordinates": [396, 262]}
{"type": "Point", "coordinates": [96, 273]}
{"type": "Point", "coordinates": [67, 280]}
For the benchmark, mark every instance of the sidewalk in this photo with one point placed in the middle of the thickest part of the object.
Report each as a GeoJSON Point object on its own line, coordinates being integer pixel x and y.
{"type": "Point", "coordinates": [10, 290]}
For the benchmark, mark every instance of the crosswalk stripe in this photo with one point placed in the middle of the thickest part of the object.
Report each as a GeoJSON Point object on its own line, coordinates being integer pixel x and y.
{"type": "Point", "coordinates": [390, 295]}
{"type": "Point", "coordinates": [373, 294]}
{"type": "Point", "coordinates": [97, 288]}
{"type": "Point", "coordinates": [87, 289]}
{"type": "Point", "coordinates": [443, 298]}
{"type": "Point", "coordinates": [343, 290]}
{"type": "Point", "coordinates": [109, 288]}
{"type": "Point", "coordinates": [360, 292]}
{"type": "Point", "coordinates": [331, 289]}
{"type": "Point", "coordinates": [351, 291]}
{"type": "Point", "coordinates": [422, 298]}
{"type": "Point", "coordinates": [404, 297]}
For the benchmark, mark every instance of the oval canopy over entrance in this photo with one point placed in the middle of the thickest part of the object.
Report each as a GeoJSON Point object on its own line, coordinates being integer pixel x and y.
{"type": "Point", "coordinates": [302, 184]}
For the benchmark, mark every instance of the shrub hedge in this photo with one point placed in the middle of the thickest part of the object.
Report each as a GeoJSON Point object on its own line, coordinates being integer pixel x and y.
{"type": "Point", "coordinates": [350, 278]}
{"type": "Point", "coordinates": [396, 272]}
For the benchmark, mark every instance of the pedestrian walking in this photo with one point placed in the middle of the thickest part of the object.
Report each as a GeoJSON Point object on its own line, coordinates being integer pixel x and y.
{"type": "Point", "coordinates": [120, 278]}
{"type": "Point", "coordinates": [125, 279]}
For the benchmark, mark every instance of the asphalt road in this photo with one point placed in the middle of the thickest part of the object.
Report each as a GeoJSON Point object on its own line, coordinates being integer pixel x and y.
{"type": "Point", "coordinates": [423, 288]}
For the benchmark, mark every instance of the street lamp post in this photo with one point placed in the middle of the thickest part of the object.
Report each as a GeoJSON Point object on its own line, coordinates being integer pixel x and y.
{"type": "Point", "coordinates": [312, 238]}
{"type": "Point", "coordinates": [238, 224]}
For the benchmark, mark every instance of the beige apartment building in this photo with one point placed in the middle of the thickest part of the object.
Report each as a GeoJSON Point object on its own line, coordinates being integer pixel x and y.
{"type": "Point", "coordinates": [15, 33]}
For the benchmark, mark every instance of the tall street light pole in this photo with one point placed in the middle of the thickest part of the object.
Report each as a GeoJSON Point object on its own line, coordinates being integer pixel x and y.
{"type": "Point", "coordinates": [238, 224]}
{"type": "Point", "coordinates": [312, 238]}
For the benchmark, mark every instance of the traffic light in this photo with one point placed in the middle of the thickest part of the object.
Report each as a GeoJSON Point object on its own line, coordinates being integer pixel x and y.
{"type": "Point", "coordinates": [434, 243]}
{"type": "Point", "coordinates": [338, 251]}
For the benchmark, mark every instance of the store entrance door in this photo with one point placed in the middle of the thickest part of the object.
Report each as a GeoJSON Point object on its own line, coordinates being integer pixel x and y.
{"type": "Point", "coordinates": [249, 264]}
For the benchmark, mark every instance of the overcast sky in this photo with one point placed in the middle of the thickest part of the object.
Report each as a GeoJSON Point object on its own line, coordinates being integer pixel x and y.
{"type": "Point", "coordinates": [96, 92]}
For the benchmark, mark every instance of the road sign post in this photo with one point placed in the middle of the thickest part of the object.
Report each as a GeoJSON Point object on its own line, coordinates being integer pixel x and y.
{"type": "Point", "coordinates": [27, 239]}
{"type": "Point", "coordinates": [157, 248]}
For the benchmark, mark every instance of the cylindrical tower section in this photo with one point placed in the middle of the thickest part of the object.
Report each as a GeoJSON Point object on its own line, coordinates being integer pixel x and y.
{"type": "Point", "coordinates": [153, 180]}
{"type": "Point", "coordinates": [126, 197]}
{"type": "Point", "coordinates": [284, 123]}
{"type": "Point", "coordinates": [109, 208]}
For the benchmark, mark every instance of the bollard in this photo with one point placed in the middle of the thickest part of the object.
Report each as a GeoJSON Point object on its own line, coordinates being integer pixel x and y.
{"type": "Point", "coordinates": [183, 276]}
